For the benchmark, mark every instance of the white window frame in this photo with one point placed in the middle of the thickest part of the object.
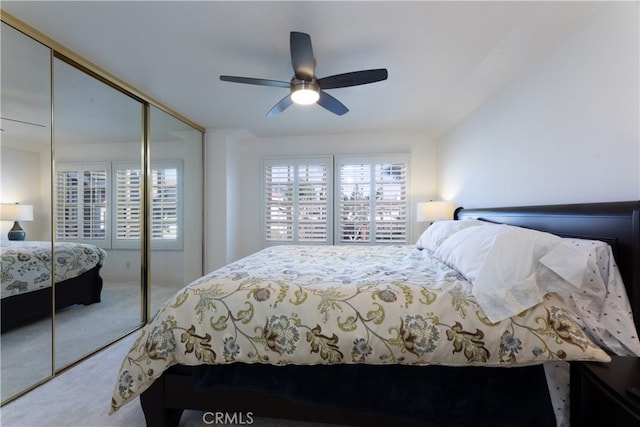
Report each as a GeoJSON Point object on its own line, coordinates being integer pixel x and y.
{"type": "Point", "coordinates": [373, 220]}
{"type": "Point", "coordinates": [296, 163]}
{"type": "Point", "coordinates": [59, 203]}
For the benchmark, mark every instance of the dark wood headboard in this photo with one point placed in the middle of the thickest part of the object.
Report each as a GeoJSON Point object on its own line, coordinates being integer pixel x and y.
{"type": "Point", "coordinates": [617, 223]}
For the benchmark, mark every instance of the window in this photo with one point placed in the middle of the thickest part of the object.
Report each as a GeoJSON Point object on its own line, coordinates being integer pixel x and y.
{"type": "Point", "coordinates": [101, 203]}
{"type": "Point", "coordinates": [81, 202]}
{"type": "Point", "coordinates": [371, 199]}
{"type": "Point", "coordinates": [165, 203]}
{"type": "Point", "coordinates": [371, 202]}
{"type": "Point", "coordinates": [297, 200]}
{"type": "Point", "coordinates": [166, 220]}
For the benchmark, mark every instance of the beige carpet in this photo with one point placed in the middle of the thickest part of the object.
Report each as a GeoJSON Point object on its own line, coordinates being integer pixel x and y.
{"type": "Point", "coordinates": [25, 356]}
{"type": "Point", "coordinates": [80, 397]}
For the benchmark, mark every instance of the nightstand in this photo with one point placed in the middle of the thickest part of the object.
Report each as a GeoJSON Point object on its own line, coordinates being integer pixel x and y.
{"type": "Point", "coordinates": [599, 393]}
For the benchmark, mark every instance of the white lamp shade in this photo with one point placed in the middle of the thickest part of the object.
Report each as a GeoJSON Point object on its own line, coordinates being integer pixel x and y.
{"type": "Point", "coordinates": [16, 212]}
{"type": "Point", "coordinates": [433, 211]}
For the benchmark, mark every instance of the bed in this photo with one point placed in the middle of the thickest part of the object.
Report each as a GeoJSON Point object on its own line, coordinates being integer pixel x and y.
{"type": "Point", "coordinates": [26, 279]}
{"type": "Point", "coordinates": [305, 336]}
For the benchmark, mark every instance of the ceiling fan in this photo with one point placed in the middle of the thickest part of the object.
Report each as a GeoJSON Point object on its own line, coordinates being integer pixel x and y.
{"type": "Point", "coordinates": [20, 121]}
{"type": "Point", "coordinates": [305, 87]}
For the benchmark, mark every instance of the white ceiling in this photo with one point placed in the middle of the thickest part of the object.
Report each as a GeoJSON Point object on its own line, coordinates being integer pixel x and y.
{"type": "Point", "coordinates": [444, 58]}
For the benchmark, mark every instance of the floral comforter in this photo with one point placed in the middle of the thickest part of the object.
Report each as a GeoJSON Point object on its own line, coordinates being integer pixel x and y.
{"type": "Point", "coordinates": [27, 265]}
{"type": "Point", "coordinates": [342, 304]}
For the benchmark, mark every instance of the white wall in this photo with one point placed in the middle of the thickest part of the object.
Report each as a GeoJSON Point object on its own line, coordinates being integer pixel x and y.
{"type": "Point", "coordinates": [233, 166]}
{"type": "Point", "coordinates": [24, 175]}
{"type": "Point", "coordinates": [565, 130]}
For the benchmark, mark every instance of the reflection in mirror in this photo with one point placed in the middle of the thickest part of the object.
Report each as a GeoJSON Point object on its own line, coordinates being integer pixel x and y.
{"type": "Point", "coordinates": [25, 178]}
{"type": "Point", "coordinates": [176, 205]}
{"type": "Point", "coordinates": [97, 212]}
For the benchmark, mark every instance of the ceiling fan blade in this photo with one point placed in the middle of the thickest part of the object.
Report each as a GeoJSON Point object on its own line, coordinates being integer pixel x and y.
{"type": "Point", "coordinates": [302, 55]}
{"type": "Point", "coordinates": [354, 78]}
{"type": "Point", "coordinates": [253, 81]}
{"type": "Point", "coordinates": [330, 103]}
{"type": "Point", "coordinates": [282, 105]}
{"type": "Point", "coordinates": [22, 121]}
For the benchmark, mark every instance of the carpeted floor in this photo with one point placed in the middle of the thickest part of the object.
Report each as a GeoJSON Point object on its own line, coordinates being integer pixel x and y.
{"type": "Point", "coordinates": [80, 397]}
{"type": "Point", "coordinates": [80, 330]}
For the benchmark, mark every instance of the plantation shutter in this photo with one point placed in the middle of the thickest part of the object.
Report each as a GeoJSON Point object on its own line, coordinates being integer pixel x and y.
{"type": "Point", "coordinates": [166, 221]}
{"type": "Point", "coordinates": [279, 181]}
{"type": "Point", "coordinates": [297, 200]}
{"type": "Point", "coordinates": [128, 205]}
{"type": "Point", "coordinates": [391, 202]}
{"type": "Point", "coordinates": [68, 205]}
{"type": "Point", "coordinates": [355, 202]}
{"type": "Point", "coordinates": [81, 201]}
{"type": "Point", "coordinates": [372, 203]}
{"type": "Point", "coordinates": [313, 202]}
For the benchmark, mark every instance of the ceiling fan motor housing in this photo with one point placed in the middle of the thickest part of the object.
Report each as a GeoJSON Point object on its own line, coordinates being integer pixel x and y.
{"type": "Point", "coordinates": [304, 92]}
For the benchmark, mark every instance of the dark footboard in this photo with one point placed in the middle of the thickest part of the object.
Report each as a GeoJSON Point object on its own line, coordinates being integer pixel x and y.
{"type": "Point", "coordinates": [152, 402]}
{"type": "Point", "coordinates": [443, 395]}
{"type": "Point", "coordinates": [21, 309]}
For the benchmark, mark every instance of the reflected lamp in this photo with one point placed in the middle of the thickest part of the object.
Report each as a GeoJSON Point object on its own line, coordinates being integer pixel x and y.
{"type": "Point", "coordinates": [16, 212]}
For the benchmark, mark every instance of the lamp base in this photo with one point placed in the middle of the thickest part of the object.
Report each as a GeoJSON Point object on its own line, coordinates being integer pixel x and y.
{"type": "Point", "coordinates": [16, 232]}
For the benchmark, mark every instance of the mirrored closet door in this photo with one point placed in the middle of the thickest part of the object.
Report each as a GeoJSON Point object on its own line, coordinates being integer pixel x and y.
{"type": "Point", "coordinates": [176, 205]}
{"type": "Point", "coordinates": [108, 187]}
{"type": "Point", "coordinates": [98, 195]}
{"type": "Point", "coordinates": [25, 178]}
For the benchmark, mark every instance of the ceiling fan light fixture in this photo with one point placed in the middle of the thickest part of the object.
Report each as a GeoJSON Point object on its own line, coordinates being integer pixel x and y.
{"type": "Point", "coordinates": [305, 88]}
{"type": "Point", "coordinates": [304, 92]}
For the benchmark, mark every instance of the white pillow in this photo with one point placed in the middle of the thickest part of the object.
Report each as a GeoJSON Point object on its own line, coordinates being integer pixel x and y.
{"type": "Point", "coordinates": [465, 251]}
{"type": "Point", "coordinates": [439, 231]}
{"type": "Point", "coordinates": [504, 263]}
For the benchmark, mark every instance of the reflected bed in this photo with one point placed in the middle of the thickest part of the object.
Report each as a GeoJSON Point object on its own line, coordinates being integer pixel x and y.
{"type": "Point", "coordinates": [26, 272]}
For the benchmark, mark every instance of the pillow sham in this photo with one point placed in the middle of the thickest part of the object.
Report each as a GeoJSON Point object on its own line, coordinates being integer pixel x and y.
{"type": "Point", "coordinates": [439, 231]}
{"type": "Point", "coordinates": [509, 266]}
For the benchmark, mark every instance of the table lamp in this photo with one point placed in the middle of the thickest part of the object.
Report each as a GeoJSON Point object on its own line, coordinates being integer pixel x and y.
{"type": "Point", "coordinates": [16, 212]}
{"type": "Point", "coordinates": [434, 210]}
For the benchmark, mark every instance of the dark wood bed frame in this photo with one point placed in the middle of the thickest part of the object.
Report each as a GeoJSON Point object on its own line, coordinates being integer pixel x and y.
{"type": "Point", "coordinates": [616, 223]}
{"type": "Point", "coordinates": [21, 309]}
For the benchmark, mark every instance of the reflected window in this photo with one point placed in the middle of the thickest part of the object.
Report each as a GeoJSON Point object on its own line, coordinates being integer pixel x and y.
{"type": "Point", "coordinates": [127, 197]}
{"type": "Point", "coordinates": [82, 203]}
{"type": "Point", "coordinates": [166, 204]}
